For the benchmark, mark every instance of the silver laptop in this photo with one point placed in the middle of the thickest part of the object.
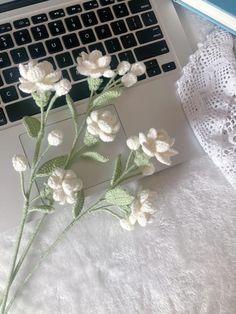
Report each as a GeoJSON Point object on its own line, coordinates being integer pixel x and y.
{"type": "Point", "coordinates": [57, 31]}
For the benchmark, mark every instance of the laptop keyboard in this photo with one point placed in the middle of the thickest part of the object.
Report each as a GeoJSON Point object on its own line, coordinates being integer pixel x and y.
{"type": "Point", "coordinates": [128, 30]}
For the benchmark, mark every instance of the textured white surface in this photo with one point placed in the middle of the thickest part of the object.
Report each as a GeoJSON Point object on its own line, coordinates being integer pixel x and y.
{"type": "Point", "coordinates": [184, 263]}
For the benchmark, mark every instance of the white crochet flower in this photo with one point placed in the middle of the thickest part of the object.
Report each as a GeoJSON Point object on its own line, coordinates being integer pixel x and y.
{"type": "Point", "coordinates": [55, 137]}
{"type": "Point", "coordinates": [19, 163]}
{"type": "Point", "coordinates": [123, 67]}
{"type": "Point", "coordinates": [94, 64]}
{"type": "Point", "coordinates": [143, 207]}
{"type": "Point", "coordinates": [103, 124]}
{"type": "Point", "coordinates": [133, 143]}
{"type": "Point", "coordinates": [158, 144]}
{"type": "Point", "coordinates": [38, 77]}
{"type": "Point", "coordinates": [129, 79]}
{"type": "Point", "coordinates": [65, 185]}
{"type": "Point", "coordinates": [62, 87]}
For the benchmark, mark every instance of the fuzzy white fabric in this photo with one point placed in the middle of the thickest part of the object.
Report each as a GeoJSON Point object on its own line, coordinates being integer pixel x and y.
{"type": "Point", "coordinates": [183, 263]}
{"type": "Point", "coordinates": [208, 93]}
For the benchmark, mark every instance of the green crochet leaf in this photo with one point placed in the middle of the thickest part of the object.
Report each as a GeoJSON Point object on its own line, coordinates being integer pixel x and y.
{"type": "Point", "coordinates": [42, 208]}
{"type": "Point", "coordinates": [49, 166]}
{"type": "Point", "coordinates": [141, 159]}
{"type": "Point", "coordinates": [117, 170]}
{"type": "Point", "coordinates": [94, 156]}
{"type": "Point", "coordinates": [32, 126]}
{"type": "Point", "coordinates": [119, 197]}
{"type": "Point", "coordinates": [78, 204]}
{"type": "Point", "coordinates": [106, 98]}
{"type": "Point", "coordinates": [90, 140]}
{"type": "Point", "coordinates": [94, 84]}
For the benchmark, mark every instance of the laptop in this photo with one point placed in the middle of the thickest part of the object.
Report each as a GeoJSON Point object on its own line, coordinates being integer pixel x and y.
{"type": "Point", "coordinates": [58, 31]}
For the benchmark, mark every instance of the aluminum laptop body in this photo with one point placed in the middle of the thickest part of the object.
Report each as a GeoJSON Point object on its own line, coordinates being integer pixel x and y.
{"type": "Point", "coordinates": [153, 102]}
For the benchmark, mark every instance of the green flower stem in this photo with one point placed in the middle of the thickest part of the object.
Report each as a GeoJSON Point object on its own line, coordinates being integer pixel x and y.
{"type": "Point", "coordinates": [23, 256]}
{"type": "Point", "coordinates": [52, 101]}
{"type": "Point", "coordinates": [105, 209]}
{"type": "Point", "coordinates": [19, 237]}
{"type": "Point", "coordinates": [42, 258]}
{"type": "Point", "coordinates": [130, 157]}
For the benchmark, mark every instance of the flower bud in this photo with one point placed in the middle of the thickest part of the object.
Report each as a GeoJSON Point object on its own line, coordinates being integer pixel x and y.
{"type": "Point", "coordinates": [19, 163]}
{"type": "Point", "coordinates": [129, 79]}
{"type": "Point", "coordinates": [133, 143]}
{"type": "Point", "coordinates": [148, 170]}
{"type": "Point", "coordinates": [55, 138]}
{"type": "Point", "coordinates": [125, 224]}
{"type": "Point", "coordinates": [62, 87]}
{"type": "Point", "coordinates": [138, 68]}
{"type": "Point", "coordinates": [123, 67]}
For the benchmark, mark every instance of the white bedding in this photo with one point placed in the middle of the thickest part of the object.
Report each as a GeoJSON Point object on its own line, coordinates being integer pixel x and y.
{"type": "Point", "coordinates": [184, 263]}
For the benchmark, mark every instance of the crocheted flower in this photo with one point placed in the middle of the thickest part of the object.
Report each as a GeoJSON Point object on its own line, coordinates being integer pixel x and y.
{"type": "Point", "coordinates": [123, 67]}
{"type": "Point", "coordinates": [55, 137]}
{"type": "Point", "coordinates": [131, 77]}
{"type": "Point", "coordinates": [19, 163]}
{"type": "Point", "coordinates": [62, 87]}
{"type": "Point", "coordinates": [133, 143]}
{"type": "Point", "coordinates": [65, 185]}
{"type": "Point", "coordinates": [158, 144]}
{"type": "Point", "coordinates": [94, 64]}
{"type": "Point", "coordinates": [103, 124]}
{"type": "Point", "coordinates": [143, 207]}
{"type": "Point", "coordinates": [38, 77]}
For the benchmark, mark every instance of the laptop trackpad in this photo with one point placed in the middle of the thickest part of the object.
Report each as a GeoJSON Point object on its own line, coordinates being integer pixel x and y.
{"type": "Point", "coordinates": [91, 172]}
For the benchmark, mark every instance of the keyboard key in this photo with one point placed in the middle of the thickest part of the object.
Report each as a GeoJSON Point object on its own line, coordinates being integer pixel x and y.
{"type": "Point", "coordinates": [103, 31]}
{"type": "Point", "coordinates": [64, 60]}
{"type": "Point", "coordinates": [6, 27]}
{"type": "Point", "coordinates": [113, 45]}
{"type": "Point", "coordinates": [20, 109]}
{"type": "Point", "coordinates": [137, 6]}
{"type": "Point", "coordinates": [65, 75]}
{"type": "Point", "coordinates": [73, 23]}
{"type": "Point", "coordinates": [3, 119]}
{"type": "Point", "coordinates": [11, 75]}
{"type": "Point", "coordinates": [50, 60]}
{"type": "Point", "coordinates": [1, 82]}
{"type": "Point", "coordinates": [127, 56]}
{"type": "Point", "coordinates": [151, 50]}
{"type": "Point", "coordinates": [56, 14]}
{"type": "Point", "coordinates": [105, 15]}
{"type": "Point", "coordinates": [54, 45]}
{"type": "Point", "coordinates": [21, 23]}
{"type": "Point", "coordinates": [56, 28]}
{"type": "Point", "coordinates": [149, 18]}
{"type": "Point", "coordinates": [8, 94]}
{"type": "Point", "coordinates": [134, 22]}
{"type": "Point", "coordinates": [149, 34]}
{"type": "Point", "coordinates": [39, 32]}
{"type": "Point", "coordinates": [106, 2]}
{"type": "Point", "coordinates": [76, 52]}
{"type": "Point", "coordinates": [87, 36]}
{"type": "Point", "coordinates": [76, 75]}
{"type": "Point", "coordinates": [74, 9]}
{"type": "Point", "coordinates": [114, 62]}
{"type": "Point", "coordinates": [168, 66]}
{"type": "Point", "coordinates": [39, 18]}
{"type": "Point", "coordinates": [119, 27]}
{"type": "Point", "coordinates": [6, 42]}
{"type": "Point", "coordinates": [90, 5]}
{"type": "Point", "coordinates": [89, 19]}
{"type": "Point", "coordinates": [70, 41]}
{"type": "Point", "coordinates": [128, 41]}
{"type": "Point", "coordinates": [4, 60]}
{"type": "Point", "coordinates": [37, 51]}
{"type": "Point", "coordinates": [19, 55]}
{"type": "Point", "coordinates": [120, 10]}
{"type": "Point", "coordinates": [22, 37]}
{"type": "Point", "coordinates": [97, 46]}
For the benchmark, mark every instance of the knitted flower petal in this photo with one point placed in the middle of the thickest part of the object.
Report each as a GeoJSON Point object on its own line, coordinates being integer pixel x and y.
{"type": "Point", "coordinates": [106, 137]}
{"type": "Point", "coordinates": [27, 87]}
{"type": "Point", "coordinates": [104, 61]}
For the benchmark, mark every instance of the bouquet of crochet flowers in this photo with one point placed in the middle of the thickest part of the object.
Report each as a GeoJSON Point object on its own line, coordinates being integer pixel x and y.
{"type": "Point", "coordinates": [62, 184]}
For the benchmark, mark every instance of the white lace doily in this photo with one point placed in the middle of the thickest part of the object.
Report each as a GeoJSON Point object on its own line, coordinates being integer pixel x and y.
{"type": "Point", "coordinates": [207, 90]}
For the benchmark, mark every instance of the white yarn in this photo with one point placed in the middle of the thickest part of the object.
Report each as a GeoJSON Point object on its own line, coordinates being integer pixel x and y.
{"type": "Point", "coordinates": [207, 90]}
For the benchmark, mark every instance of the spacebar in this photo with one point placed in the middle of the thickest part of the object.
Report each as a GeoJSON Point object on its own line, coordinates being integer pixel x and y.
{"type": "Point", "coordinates": [151, 50]}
